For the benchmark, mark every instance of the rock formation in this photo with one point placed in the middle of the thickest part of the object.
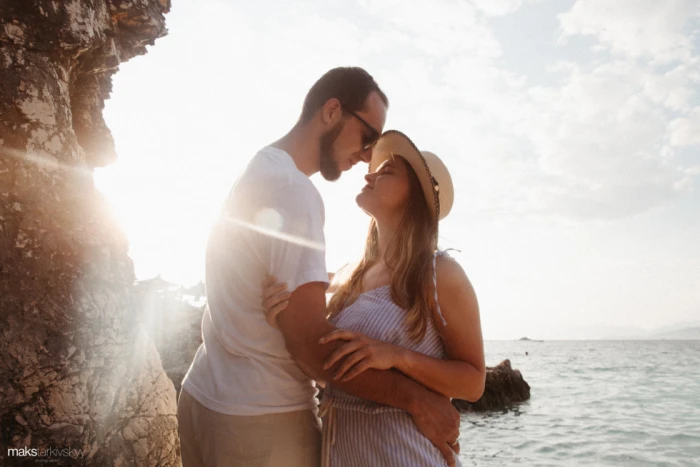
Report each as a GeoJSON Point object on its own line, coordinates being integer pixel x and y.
{"type": "Point", "coordinates": [76, 370]}
{"type": "Point", "coordinates": [174, 324]}
{"type": "Point", "coordinates": [505, 387]}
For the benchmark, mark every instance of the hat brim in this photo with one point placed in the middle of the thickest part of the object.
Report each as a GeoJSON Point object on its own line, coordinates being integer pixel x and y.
{"type": "Point", "coordinates": [394, 143]}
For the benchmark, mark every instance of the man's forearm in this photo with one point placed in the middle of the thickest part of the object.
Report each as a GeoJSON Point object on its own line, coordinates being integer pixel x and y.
{"type": "Point", "coordinates": [388, 387]}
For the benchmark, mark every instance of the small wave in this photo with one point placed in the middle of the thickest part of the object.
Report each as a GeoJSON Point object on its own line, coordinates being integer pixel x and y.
{"type": "Point", "coordinates": [630, 404]}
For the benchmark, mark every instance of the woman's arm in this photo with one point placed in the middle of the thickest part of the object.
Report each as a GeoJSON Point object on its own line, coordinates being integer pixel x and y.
{"type": "Point", "coordinates": [461, 375]}
{"type": "Point", "coordinates": [452, 378]}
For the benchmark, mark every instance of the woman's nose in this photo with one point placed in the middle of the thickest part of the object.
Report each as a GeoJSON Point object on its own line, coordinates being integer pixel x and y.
{"type": "Point", "coordinates": [369, 177]}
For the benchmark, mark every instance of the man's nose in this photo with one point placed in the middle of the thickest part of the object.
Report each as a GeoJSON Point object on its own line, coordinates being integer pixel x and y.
{"type": "Point", "coordinates": [366, 155]}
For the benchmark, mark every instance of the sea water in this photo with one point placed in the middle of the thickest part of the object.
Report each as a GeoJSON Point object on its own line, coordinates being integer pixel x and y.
{"type": "Point", "coordinates": [632, 403]}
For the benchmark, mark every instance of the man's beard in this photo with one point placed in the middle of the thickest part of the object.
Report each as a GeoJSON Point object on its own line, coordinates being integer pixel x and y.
{"type": "Point", "coordinates": [329, 166]}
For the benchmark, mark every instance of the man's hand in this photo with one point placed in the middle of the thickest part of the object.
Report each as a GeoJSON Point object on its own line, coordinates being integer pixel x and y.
{"type": "Point", "coordinates": [438, 420]}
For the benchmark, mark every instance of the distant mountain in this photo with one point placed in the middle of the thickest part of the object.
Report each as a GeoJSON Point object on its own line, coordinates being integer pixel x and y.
{"type": "Point", "coordinates": [690, 333]}
{"type": "Point", "coordinates": [676, 327]}
{"type": "Point", "coordinates": [688, 330]}
{"type": "Point", "coordinates": [613, 332]}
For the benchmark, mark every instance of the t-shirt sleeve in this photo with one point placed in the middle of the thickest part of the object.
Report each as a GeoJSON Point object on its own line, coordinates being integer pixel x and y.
{"type": "Point", "coordinates": [297, 243]}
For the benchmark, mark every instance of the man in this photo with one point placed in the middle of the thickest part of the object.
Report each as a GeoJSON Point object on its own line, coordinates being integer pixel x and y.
{"type": "Point", "coordinates": [248, 397]}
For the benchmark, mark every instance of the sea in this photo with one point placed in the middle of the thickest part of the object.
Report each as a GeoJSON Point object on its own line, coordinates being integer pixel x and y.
{"type": "Point", "coordinates": [617, 403]}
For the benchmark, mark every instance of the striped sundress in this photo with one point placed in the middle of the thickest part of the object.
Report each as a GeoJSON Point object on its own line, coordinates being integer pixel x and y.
{"type": "Point", "coordinates": [359, 432]}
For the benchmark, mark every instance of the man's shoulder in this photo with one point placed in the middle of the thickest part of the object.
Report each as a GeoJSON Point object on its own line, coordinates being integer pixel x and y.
{"type": "Point", "coordinates": [272, 162]}
{"type": "Point", "coordinates": [273, 172]}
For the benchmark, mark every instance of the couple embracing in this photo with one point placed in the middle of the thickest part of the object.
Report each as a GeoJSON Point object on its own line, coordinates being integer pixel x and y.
{"type": "Point", "coordinates": [400, 336]}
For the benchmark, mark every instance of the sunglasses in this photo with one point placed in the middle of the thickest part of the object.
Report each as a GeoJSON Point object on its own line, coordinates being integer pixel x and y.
{"type": "Point", "coordinates": [368, 141]}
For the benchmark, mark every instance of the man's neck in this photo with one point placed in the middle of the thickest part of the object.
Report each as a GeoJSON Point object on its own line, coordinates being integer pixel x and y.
{"type": "Point", "coordinates": [302, 145]}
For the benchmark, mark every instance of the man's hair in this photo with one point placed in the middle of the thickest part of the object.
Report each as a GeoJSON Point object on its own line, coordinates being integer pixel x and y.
{"type": "Point", "coordinates": [350, 85]}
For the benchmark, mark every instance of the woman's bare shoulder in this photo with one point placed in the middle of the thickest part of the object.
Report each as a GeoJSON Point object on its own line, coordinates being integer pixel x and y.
{"type": "Point", "coordinates": [455, 290]}
{"type": "Point", "coordinates": [449, 271]}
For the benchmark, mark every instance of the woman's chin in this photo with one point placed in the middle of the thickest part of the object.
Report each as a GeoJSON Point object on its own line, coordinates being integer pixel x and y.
{"type": "Point", "coordinates": [361, 200]}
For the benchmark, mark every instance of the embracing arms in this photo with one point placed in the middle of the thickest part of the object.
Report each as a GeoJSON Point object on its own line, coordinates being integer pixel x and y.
{"type": "Point", "coordinates": [460, 375]}
{"type": "Point", "coordinates": [303, 324]}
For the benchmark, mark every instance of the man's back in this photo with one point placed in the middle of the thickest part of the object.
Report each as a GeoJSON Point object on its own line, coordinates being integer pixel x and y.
{"type": "Point", "coordinates": [272, 222]}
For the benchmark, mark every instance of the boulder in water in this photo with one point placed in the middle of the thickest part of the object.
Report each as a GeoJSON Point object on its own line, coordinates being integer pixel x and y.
{"type": "Point", "coordinates": [505, 387]}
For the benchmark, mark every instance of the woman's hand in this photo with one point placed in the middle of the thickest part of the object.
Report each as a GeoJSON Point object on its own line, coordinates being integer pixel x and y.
{"type": "Point", "coordinates": [361, 353]}
{"type": "Point", "coordinates": [275, 298]}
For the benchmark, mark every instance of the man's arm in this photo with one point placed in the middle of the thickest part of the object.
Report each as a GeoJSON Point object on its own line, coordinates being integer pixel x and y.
{"type": "Point", "coordinates": [303, 322]}
{"type": "Point", "coordinates": [332, 286]}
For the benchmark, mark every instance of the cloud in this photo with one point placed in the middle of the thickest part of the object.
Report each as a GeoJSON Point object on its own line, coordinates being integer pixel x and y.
{"type": "Point", "coordinates": [438, 28]}
{"type": "Point", "coordinates": [685, 131]}
{"type": "Point", "coordinates": [653, 30]}
{"type": "Point", "coordinates": [611, 131]}
{"type": "Point", "coordinates": [604, 140]}
{"type": "Point", "coordinates": [499, 7]}
{"type": "Point", "coordinates": [674, 89]}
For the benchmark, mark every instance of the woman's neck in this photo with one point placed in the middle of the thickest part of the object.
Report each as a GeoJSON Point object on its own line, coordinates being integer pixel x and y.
{"type": "Point", "coordinates": [385, 235]}
{"type": "Point", "coordinates": [379, 271]}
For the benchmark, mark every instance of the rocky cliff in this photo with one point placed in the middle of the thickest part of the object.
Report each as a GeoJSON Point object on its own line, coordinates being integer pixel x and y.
{"type": "Point", "coordinates": [77, 372]}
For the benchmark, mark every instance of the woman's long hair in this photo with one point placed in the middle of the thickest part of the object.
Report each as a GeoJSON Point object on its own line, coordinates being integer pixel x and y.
{"type": "Point", "coordinates": [411, 259]}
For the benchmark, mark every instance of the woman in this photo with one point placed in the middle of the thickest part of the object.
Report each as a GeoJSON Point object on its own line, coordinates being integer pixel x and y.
{"type": "Point", "coordinates": [405, 306]}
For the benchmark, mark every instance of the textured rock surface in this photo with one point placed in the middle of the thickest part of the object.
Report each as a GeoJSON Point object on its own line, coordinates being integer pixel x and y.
{"type": "Point", "coordinates": [173, 322]}
{"type": "Point", "coordinates": [505, 387]}
{"type": "Point", "coordinates": [76, 369]}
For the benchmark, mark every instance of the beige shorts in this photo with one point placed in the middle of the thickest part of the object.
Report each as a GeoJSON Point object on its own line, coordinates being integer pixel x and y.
{"type": "Point", "coordinates": [213, 439]}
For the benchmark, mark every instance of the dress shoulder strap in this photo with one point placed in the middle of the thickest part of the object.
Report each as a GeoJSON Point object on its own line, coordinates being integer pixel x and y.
{"type": "Point", "coordinates": [437, 303]}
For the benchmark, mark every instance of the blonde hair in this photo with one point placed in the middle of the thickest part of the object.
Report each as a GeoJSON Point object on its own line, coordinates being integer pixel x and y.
{"type": "Point", "coordinates": [412, 250]}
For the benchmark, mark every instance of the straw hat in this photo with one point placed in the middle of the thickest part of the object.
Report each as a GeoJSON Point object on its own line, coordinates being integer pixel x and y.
{"type": "Point", "coordinates": [432, 173]}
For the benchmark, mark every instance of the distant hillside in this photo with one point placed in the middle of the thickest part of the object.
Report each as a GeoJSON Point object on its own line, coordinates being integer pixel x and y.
{"type": "Point", "coordinates": [688, 330]}
{"type": "Point", "coordinates": [679, 334]}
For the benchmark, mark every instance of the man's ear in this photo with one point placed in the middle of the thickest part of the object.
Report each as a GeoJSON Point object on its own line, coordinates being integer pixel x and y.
{"type": "Point", "coordinates": [331, 111]}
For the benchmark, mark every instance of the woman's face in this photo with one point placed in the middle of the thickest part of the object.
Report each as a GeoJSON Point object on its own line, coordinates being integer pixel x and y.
{"type": "Point", "coordinates": [386, 193]}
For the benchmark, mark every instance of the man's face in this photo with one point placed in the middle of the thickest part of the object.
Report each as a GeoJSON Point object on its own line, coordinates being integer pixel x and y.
{"type": "Point", "coordinates": [345, 144]}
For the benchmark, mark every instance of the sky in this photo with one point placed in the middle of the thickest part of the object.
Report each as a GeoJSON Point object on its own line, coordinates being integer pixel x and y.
{"type": "Point", "coordinates": [571, 130]}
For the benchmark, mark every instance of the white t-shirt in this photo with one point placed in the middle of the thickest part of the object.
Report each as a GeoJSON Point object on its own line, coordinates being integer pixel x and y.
{"type": "Point", "coordinates": [272, 222]}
